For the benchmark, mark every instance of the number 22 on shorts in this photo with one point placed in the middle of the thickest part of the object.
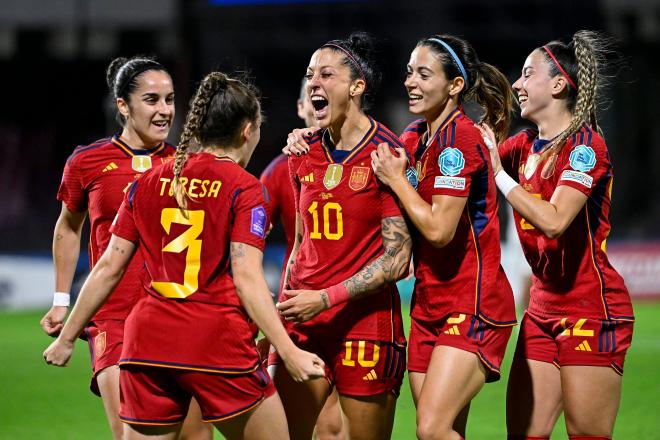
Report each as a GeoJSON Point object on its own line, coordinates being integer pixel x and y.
{"type": "Point", "coordinates": [187, 240]}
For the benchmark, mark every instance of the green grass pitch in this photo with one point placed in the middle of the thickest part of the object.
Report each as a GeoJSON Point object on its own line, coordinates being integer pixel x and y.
{"type": "Point", "coordinates": [38, 401]}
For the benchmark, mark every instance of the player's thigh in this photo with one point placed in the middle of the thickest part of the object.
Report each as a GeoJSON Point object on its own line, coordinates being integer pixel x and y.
{"type": "Point", "coordinates": [142, 432]}
{"type": "Point", "coordinates": [330, 423]}
{"type": "Point", "coordinates": [193, 426]}
{"type": "Point", "coordinates": [534, 400]}
{"type": "Point", "coordinates": [302, 401]}
{"type": "Point", "coordinates": [107, 381]}
{"type": "Point", "coordinates": [534, 397]}
{"type": "Point", "coordinates": [453, 378]}
{"type": "Point", "coordinates": [267, 420]}
{"type": "Point", "coordinates": [416, 381]}
{"type": "Point", "coordinates": [369, 417]}
{"type": "Point", "coordinates": [591, 399]}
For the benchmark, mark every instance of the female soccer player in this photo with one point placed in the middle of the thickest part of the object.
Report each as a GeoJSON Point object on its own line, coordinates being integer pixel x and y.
{"type": "Point", "coordinates": [352, 244]}
{"type": "Point", "coordinates": [578, 327]}
{"type": "Point", "coordinates": [463, 307]}
{"type": "Point", "coordinates": [96, 176]}
{"type": "Point", "coordinates": [190, 335]}
{"type": "Point", "coordinates": [275, 178]}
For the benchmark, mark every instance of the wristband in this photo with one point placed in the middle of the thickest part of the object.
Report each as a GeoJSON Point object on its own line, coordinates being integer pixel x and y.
{"type": "Point", "coordinates": [337, 294]}
{"type": "Point", "coordinates": [61, 299]}
{"type": "Point", "coordinates": [504, 182]}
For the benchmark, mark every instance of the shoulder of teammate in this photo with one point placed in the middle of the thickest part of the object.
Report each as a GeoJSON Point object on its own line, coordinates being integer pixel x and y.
{"type": "Point", "coordinates": [384, 134]}
{"type": "Point", "coordinates": [411, 134]}
{"type": "Point", "coordinates": [83, 152]}
{"type": "Point", "coordinates": [277, 166]}
{"type": "Point", "coordinates": [518, 141]}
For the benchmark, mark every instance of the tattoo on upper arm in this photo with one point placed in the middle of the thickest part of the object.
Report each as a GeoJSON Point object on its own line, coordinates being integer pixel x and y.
{"type": "Point", "coordinates": [236, 250]}
{"type": "Point", "coordinates": [118, 249]}
{"type": "Point", "coordinates": [388, 267]}
{"type": "Point", "coordinates": [59, 237]}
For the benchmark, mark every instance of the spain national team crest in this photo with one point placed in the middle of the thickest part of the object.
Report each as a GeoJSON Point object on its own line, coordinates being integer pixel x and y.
{"type": "Point", "coordinates": [99, 345]}
{"type": "Point", "coordinates": [333, 175]}
{"type": "Point", "coordinates": [359, 178]}
{"type": "Point", "coordinates": [141, 163]}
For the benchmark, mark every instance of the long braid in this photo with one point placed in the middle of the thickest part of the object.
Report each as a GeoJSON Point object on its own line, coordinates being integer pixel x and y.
{"type": "Point", "coordinates": [194, 120]}
{"type": "Point", "coordinates": [587, 81]}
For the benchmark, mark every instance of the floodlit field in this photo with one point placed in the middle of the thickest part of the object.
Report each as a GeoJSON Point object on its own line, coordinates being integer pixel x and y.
{"type": "Point", "coordinates": [37, 401]}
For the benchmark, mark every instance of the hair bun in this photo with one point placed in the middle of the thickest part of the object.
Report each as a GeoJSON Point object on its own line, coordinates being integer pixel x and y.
{"type": "Point", "coordinates": [112, 70]}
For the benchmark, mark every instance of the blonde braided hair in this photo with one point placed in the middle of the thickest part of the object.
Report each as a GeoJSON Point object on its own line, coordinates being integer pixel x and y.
{"type": "Point", "coordinates": [586, 48]}
{"type": "Point", "coordinates": [209, 87]}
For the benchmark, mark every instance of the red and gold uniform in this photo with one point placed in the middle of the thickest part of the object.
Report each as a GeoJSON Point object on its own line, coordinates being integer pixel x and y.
{"type": "Point", "coordinates": [192, 319]}
{"type": "Point", "coordinates": [462, 297]}
{"type": "Point", "coordinates": [95, 179]}
{"type": "Point", "coordinates": [580, 311]}
{"type": "Point", "coordinates": [276, 180]}
{"type": "Point", "coordinates": [342, 205]}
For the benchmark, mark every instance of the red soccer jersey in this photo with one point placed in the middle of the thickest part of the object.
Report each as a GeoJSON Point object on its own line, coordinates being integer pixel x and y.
{"type": "Point", "coordinates": [192, 317]}
{"type": "Point", "coordinates": [276, 180]}
{"type": "Point", "coordinates": [342, 205]}
{"type": "Point", "coordinates": [571, 274]}
{"type": "Point", "coordinates": [96, 176]}
{"type": "Point", "coordinates": [464, 276]}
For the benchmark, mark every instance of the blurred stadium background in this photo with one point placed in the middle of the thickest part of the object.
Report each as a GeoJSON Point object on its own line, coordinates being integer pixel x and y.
{"type": "Point", "coordinates": [53, 55]}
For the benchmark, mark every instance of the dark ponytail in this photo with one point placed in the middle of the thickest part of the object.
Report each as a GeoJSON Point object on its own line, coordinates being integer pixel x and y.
{"type": "Point", "coordinates": [483, 82]}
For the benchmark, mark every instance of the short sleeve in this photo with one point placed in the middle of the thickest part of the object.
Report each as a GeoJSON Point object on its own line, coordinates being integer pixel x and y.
{"type": "Point", "coordinates": [71, 191]}
{"type": "Point", "coordinates": [250, 213]}
{"type": "Point", "coordinates": [585, 166]}
{"type": "Point", "coordinates": [454, 167]}
{"type": "Point", "coordinates": [124, 223]}
{"type": "Point", "coordinates": [272, 179]}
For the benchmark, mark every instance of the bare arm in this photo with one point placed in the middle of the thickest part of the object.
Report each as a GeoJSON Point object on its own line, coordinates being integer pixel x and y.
{"type": "Point", "coordinates": [390, 266]}
{"type": "Point", "coordinates": [251, 287]}
{"type": "Point", "coordinates": [437, 222]}
{"type": "Point", "coordinates": [95, 292]}
{"type": "Point", "coordinates": [294, 251]}
{"type": "Point", "coordinates": [550, 217]}
{"type": "Point", "coordinates": [66, 250]}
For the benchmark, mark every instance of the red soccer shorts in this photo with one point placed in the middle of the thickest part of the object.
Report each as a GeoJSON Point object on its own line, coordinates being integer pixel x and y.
{"type": "Point", "coordinates": [355, 367]}
{"type": "Point", "coordinates": [575, 341]}
{"type": "Point", "coordinates": [459, 330]}
{"type": "Point", "coordinates": [105, 339]}
{"type": "Point", "coordinates": [161, 396]}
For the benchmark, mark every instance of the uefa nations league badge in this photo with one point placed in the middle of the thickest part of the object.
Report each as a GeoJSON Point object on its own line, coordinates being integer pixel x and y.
{"type": "Point", "coordinates": [412, 175]}
{"type": "Point", "coordinates": [451, 161]}
{"type": "Point", "coordinates": [582, 158]}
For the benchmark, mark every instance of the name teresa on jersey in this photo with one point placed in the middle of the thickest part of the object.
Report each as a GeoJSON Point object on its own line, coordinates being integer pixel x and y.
{"type": "Point", "coordinates": [194, 187]}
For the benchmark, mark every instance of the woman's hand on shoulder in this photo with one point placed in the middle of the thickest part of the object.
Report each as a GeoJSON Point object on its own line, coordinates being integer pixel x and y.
{"type": "Point", "coordinates": [295, 142]}
{"type": "Point", "coordinates": [387, 166]}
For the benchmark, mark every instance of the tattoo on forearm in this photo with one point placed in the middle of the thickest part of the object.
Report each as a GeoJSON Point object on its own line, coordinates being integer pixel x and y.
{"type": "Point", "coordinates": [118, 249]}
{"type": "Point", "coordinates": [388, 267]}
{"type": "Point", "coordinates": [324, 298]}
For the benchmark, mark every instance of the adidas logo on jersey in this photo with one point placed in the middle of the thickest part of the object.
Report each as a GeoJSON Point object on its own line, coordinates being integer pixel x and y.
{"type": "Point", "coordinates": [584, 346]}
{"type": "Point", "coordinates": [370, 375]}
{"type": "Point", "coordinates": [109, 167]}
{"type": "Point", "coordinates": [308, 178]}
{"type": "Point", "coordinates": [453, 330]}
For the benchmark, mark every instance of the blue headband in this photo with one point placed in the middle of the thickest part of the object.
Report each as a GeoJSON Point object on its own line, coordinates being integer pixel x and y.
{"type": "Point", "coordinates": [456, 60]}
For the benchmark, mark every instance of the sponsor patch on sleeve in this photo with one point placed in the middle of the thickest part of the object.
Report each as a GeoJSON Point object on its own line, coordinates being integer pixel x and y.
{"type": "Point", "coordinates": [258, 222]}
{"type": "Point", "coordinates": [449, 182]}
{"type": "Point", "coordinates": [578, 177]}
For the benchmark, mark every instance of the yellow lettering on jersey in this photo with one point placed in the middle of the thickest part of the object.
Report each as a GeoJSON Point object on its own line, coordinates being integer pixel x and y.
{"type": "Point", "coordinates": [524, 224]}
{"type": "Point", "coordinates": [215, 187]}
{"type": "Point", "coordinates": [165, 181]}
{"type": "Point", "coordinates": [366, 363]}
{"type": "Point", "coordinates": [188, 240]}
{"type": "Point", "coordinates": [327, 208]}
{"type": "Point", "coordinates": [577, 329]}
{"type": "Point", "coordinates": [347, 361]}
{"type": "Point", "coordinates": [128, 185]}
{"type": "Point", "coordinates": [195, 188]}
